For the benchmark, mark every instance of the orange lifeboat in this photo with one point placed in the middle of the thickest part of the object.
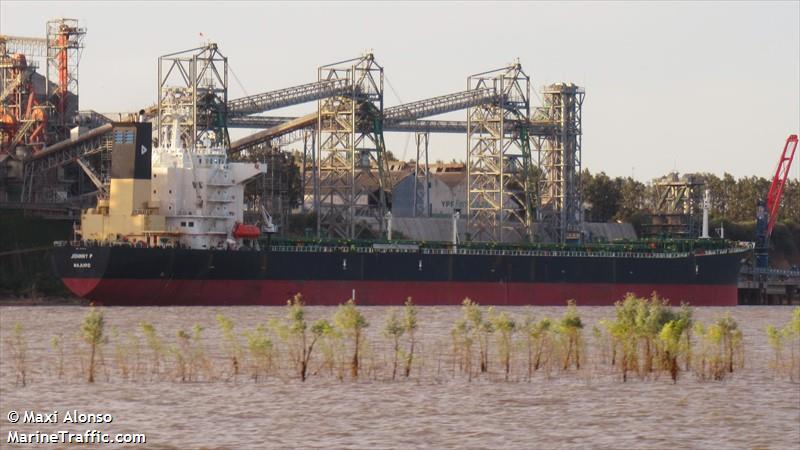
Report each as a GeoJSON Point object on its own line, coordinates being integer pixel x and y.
{"type": "Point", "coordinates": [243, 231]}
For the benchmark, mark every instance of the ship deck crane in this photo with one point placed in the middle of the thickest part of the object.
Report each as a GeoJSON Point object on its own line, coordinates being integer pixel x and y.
{"type": "Point", "coordinates": [767, 212]}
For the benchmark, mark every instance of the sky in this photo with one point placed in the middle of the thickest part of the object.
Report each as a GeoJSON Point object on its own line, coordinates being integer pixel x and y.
{"type": "Point", "coordinates": [693, 87]}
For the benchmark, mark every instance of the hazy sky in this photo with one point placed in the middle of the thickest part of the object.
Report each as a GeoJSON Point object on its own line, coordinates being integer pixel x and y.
{"type": "Point", "coordinates": [688, 86]}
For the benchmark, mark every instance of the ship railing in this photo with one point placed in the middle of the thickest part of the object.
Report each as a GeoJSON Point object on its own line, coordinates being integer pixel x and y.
{"type": "Point", "coordinates": [788, 273]}
{"type": "Point", "coordinates": [144, 211]}
{"type": "Point", "coordinates": [495, 252]}
{"type": "Point", "coordinates": [221, 198]}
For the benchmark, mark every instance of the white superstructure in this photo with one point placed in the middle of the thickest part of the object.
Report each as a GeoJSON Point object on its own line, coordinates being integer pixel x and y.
{"type": "Point", "coordinates": [200, 194]}
{"type": "Point", "coordinates": [194, 197]}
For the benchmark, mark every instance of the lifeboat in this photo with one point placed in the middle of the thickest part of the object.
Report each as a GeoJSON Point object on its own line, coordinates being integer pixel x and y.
{"type": "Point", "coordinates": [243, 231]}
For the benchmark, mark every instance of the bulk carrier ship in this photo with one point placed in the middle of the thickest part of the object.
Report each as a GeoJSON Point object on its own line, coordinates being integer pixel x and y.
{"type": "Point", "coordinates": [170, 232]}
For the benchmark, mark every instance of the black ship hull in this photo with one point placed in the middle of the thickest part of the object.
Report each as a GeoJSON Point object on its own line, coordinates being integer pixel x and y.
{"type": "Point", "coordinates": [121, 275]}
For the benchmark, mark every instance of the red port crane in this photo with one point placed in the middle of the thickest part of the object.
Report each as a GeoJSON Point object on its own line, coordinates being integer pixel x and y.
{"type": "Point", "coordinates": [767, 213]}
{"type": "Point", "coordinates": [779, 181]}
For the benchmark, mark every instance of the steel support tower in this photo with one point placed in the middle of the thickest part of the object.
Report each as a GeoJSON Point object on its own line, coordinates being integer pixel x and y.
{"type": "Point", "coordinates": [496, 205]}
{"type": "Point", "coordinates": [309, 171]}
{"type": "Point", "coordinates": [422, 178]}
{"type": "Point", "coordinates": [350, 155]}
{"type": "Point", "coordinates": [192, 98]}
{"type": "Point", "coordinates": [559, 153]}
{"type": "Point", "coordinates": [64, 48]}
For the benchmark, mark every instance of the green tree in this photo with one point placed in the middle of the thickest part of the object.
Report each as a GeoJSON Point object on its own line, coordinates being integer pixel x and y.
{"type": "Point", "coordinates": [603, 196]}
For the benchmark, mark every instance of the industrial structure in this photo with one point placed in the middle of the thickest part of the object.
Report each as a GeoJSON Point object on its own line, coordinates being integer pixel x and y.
{"type": "Point", "coordinates": [499, 195]}
{"type": "Point", "coordinates": [678, 206]}
{"type": "Point", "coordinates": [559, 150]}
{"type": "Point", "coordinates": [37, 112]}
{"type": "Point", "coordinates": [58, 159]}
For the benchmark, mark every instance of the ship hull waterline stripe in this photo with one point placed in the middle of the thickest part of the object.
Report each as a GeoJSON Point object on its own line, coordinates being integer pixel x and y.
{"type": "Point", "coordinates": [177, 292]}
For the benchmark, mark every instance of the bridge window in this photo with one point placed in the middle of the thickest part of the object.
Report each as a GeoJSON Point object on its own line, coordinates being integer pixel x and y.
{"type": "Point", "coordinates": [123, 136]}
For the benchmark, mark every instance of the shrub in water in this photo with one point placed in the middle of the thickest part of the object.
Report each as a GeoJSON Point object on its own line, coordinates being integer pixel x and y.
{"type": "Point", "coordinates": [569, 328]}
{"type": "Point", "coordinates": [779, 338]}
{"type": "Point", "coordinates": [410, 325]}
{"type": "Point", "coordinates": [352, 323]}
{"type": "Point", "coordinates": [293, 330]}
{"type": "Point", "coordinates": [505, 327]}
{"type": "Point", "coordinates": [155, 345]}
{"type": "Point", "coordinates": [181, 351]}
{"type": "Point", "coordinates": [18, 348]}
{"type": "Point", "coordinates": [476, 328]}
{"type": "Point", "coordinates": [260, 347]}
{"type": "Point", "coordinates": [539, 341]}
{"type": "Point", "coordinates": [230, 342]}
{"type": "Point", "coordinates": [92, 332]}
{"type": "Point", "coordinates": [721, 348]}
{"type": "Point", "coordinates": [394, 329]}
{"type": "Point", "coordinates": [55, 344]}
{"type": "Point", "coordinates": [673, 341]}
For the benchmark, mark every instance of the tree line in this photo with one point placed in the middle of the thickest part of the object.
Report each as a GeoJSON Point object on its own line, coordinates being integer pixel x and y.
{"type": "Point", "coordinates": [628, 200]}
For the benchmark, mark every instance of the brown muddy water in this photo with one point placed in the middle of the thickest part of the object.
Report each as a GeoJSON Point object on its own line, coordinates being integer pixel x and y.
{"type": "Point", "coordinates": [590, 408]}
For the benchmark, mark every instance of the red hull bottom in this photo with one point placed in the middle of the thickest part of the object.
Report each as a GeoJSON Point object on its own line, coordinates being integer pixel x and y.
{"type": "Point", "coordinates": [274, 292]}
